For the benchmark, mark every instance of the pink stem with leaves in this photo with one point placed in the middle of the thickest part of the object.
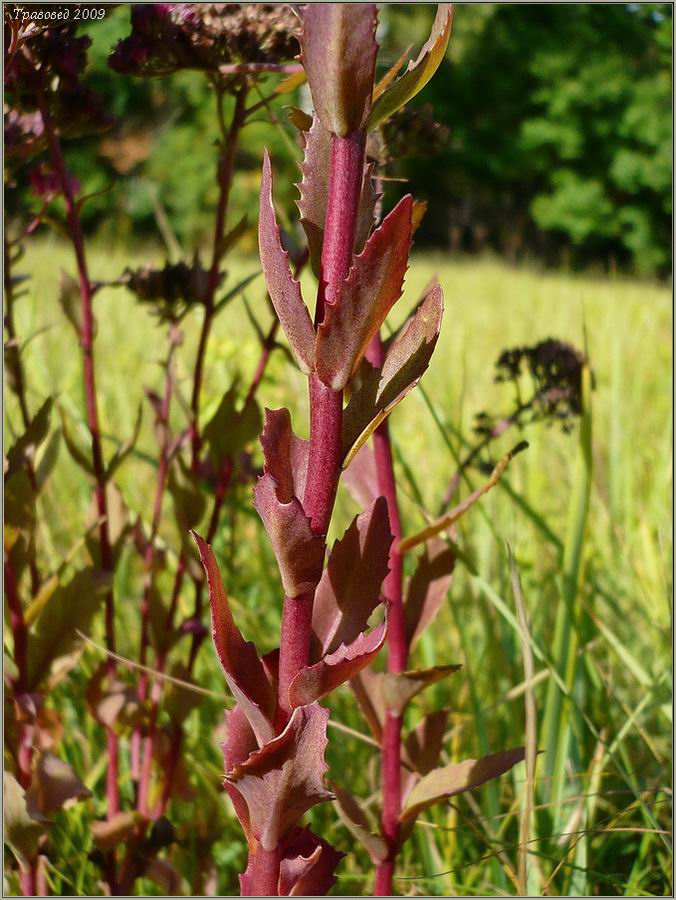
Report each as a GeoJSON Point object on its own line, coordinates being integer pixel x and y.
{"type": "Point", "coordinates": [326, 405]}
{"type": "Point", "coordinates": [98, 466]}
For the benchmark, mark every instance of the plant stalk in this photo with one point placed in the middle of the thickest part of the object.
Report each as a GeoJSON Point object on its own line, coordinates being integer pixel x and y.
{"type": "Point", "coordinates": [326, 405]}
{"type": "Point", "coordinates": [397, 646]}
{"type": "Point", "coordinates": [87, 345]}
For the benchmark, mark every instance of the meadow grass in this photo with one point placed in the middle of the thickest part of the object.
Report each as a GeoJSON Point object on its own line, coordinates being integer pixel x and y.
{"type": "Point", "coordinates": [588, 517]}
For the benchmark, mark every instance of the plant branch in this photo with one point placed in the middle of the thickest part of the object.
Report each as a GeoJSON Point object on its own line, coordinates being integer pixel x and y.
{"type": "Point", "coordinates": [87, 345]}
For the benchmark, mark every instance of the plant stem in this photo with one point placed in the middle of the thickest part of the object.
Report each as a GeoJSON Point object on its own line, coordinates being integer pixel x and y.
{"type": "Point", "coordinates": [397, 646]}
{"type": "Point", "coordinates": [149, 560]}
{"type": "Point", "coordinates": [14, 362]}
{"type": "Point", "coordinates": [87, 345]}
{"type": "Point", "coordinates": [226, 165]}
{"type": "Point", "coordinates": [326, 405]}
{"type": "Point", "coordinates": [265, 872]}
{"type": "Point", "coordinates": [17, 368]}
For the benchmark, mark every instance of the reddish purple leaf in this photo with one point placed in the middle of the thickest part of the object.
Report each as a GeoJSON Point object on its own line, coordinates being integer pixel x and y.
{"type": "Point", "coordinates": [367, 687]}
{"type": "Point", "coordinates": [339, 56]}
{"type": "Point", "coordinates": [358, 306]}
{"type": "Point", "coordinates": [299, 552]}
{"type": "Point", "coordinates": [406, 361]}
{"type": "Point", "coordinates": [424, 744]}
{"type": "Point", "coordinates": [427, 588]}
{"type": "Point", "coordinates": [399, 689]}
{"type": "Point", "coordinates": [349, 589]}
{"type": "Point", "coordinates": [283, 288]}
{"type": "Point", "coordinates": [355, 820]}
{"type": "Point", "coordinates": [243, 669]}
{"type": "Point", "coordinates": [441, 784]}
{"type": "Point", "coordinates": [286, 456]}
{"type": "Point", "coordinates": [314, 189]}
{"type": "Point", "coordinates": [239, 744]}
{"type": "Point", "coordinates": [315, 682]}
{"type": "Point", "coordinates": [307, 866]}
{"type": "Point", "coordinates": [285, 778]}
{"type": "Point", "coordinates": [361, 477]}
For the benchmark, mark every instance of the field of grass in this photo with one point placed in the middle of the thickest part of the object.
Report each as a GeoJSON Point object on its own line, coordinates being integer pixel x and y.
{"type": "Point", "coordinates": [595, 579]}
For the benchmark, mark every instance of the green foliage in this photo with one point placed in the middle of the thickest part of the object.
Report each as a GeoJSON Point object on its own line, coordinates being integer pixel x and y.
{"type": "Point", "coordinates": [560, 131]}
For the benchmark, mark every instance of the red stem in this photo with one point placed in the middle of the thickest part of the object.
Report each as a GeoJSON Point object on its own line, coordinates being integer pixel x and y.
{"type": "Point", "coordinates": [149, 560]}
{"type": "Point", "coordinates": [20, 386]}
{"type": "Point", "coordinates": [87, 345]}
{"type": "Point", "coordinates": [397, 647]}
{"type": "Point", "coordinates": [28, 878]}
{"type": "Point", "coordinates": [265, 873]}
{"type": "Point", "coordinates": [326, 405]}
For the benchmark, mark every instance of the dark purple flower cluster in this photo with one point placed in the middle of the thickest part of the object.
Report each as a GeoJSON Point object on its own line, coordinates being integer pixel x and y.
{"type": "Point", "coordinates": [166, 37]}
{"type": "Point", "coordinates": [555, 368]}
{"type": "Point", "coordinates": [48, 62]}
{"type": "Point", "coordinates": [171, 290]}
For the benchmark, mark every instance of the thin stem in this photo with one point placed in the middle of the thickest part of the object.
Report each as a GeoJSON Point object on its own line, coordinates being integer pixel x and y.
{"type": "Point", "coordinates": [87, 345]}
{"type": "Point", "coordinates": [14, 361]}
{"type": "Point", "coordinates": [149, 556]}
{"type": "Point", "coordinates": [17, 368]}
{"type": "Point", "coordinates": [226, 166]}
{"type": "Point", "coordinates": [397, 646]}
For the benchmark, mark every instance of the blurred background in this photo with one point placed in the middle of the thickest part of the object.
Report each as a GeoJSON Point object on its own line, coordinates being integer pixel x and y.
{"type": "Point", "coordinates": [552, 138]}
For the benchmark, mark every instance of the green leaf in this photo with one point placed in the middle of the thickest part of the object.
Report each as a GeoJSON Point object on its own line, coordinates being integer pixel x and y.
{"type": "Point", "coordinates": [70, 300]}
{"type": "Point", "coordinates": [230, 430]}
{"type": "Point", "coordinates": [79, 456]}
{"type": "Point", "coordinates": [189, 501]}
{"type": "Point", "coordinates": [125, 447]}
{"type": "Point", "coordinates": [448, 781]}
{"type": "Point", "coordinates": [21, 830]}
{"type": "Point", "coordinates": [419, 72]}
{"type": "Point", "coordinates": [25, 448]}
{"type": "Point", "coordinates": [71, 608]}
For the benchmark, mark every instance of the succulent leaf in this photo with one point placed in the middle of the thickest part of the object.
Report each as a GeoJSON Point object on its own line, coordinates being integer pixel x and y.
{"type": "Point", "coordinates": [349, 589]}
{"type": "Point", "coordinates": [338, 51]}
{"type": "Point", "coordinates": [406, 361]}
{"type": "Point", "coordinates": [283, 288]}
{"type": "Point", "coordinates": [285, 778]}
{"type": "Point", "coordinates": [448, 781]}
{"type": "Point", "coordinates": [243, 669]}
{"type": "Point", "coordinates": [427, 588]}
{"type": "Point", "coordinates": [359, 305]}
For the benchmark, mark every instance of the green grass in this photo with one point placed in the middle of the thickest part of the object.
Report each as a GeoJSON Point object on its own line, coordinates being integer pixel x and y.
{"type": "Point", "coordinates": [589, 520]}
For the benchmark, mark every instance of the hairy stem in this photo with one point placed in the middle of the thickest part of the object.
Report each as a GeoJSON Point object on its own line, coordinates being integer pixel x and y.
{"type": "Point", "coordinates": [98, 466]}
